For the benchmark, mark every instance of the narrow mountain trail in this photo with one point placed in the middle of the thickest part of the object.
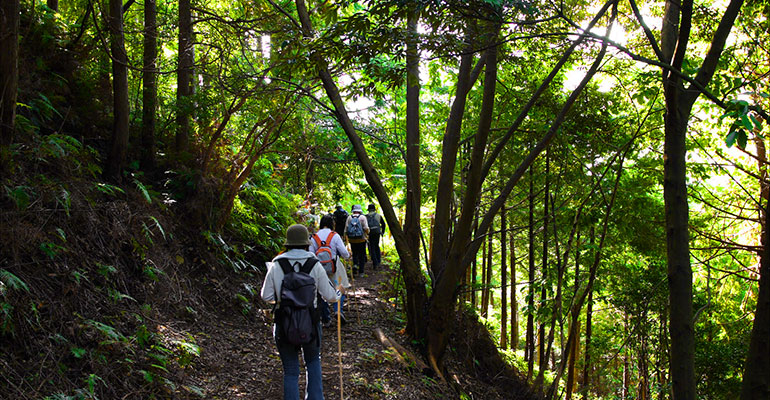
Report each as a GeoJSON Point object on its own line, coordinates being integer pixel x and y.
{"type": "Point", "coordinates": [238, 359]}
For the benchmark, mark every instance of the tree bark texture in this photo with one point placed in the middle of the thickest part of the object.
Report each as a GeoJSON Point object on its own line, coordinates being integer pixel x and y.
{"type": "Point", "coordinates": [542, 357]}
{"type": "Point", "coordinates": [184, 85]}
{"type": "Point", "coordinates": [413, 185]}
{"type": "Point", "coordinates": [756, 376]}
{"type": "Point", "coordinates": [149, 85]}
{"type": "Point", "coordinates": [119, 144]}
{"type": "Point", "coordinates": [675, 36]}
{"type": "Point", "coordinates": [503, 283]}
{"type": "Point", "coordinates": [9, 75]}
{"type": "Point", "coordinates": [529, 351]}
{"type": "Point", "coordinates": [514, 297]}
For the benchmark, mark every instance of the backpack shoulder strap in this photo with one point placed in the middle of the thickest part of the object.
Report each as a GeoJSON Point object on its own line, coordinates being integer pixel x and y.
{"type": "Point", "coordinates": [308, 265]}
{"type": "Point", "coordinates": [285, 266]}
{"type": "Point", "coordinates": [318, 240]}
{"type": "Point", "coordinates": [329, 238]}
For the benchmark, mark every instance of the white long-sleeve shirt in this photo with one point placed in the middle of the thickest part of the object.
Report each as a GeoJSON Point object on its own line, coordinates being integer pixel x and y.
{"type": "Point", "coordinates": [337, 247]}
{"type": "Point", "coordinates": [271, 288]}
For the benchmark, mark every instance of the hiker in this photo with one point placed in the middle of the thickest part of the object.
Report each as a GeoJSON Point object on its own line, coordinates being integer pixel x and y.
{"type": "Point", "coordinates": [303, 332]}
{"type": "Point", "coordinates": [327, 239]}
{"type": "Point", "coordinates": [376, 230]}
{"type": "Point", "coordinates": [340, 218]}
{"type": "Point", "coordinates": [356, 229]}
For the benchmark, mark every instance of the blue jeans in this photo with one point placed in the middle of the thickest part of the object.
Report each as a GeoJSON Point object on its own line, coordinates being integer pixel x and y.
{"type": "Point", "coordinates": [311, 352]}
{"type": "Point", "coordinates": [327, 309]}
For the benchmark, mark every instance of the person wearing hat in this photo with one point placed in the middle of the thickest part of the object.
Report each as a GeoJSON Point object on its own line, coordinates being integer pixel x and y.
{"type": "Point", "coordinates": [356, 231]}
{"type": "Point", "coordinates": [376, 230]}
{"type": "Point", "coordinates": [297, 242]}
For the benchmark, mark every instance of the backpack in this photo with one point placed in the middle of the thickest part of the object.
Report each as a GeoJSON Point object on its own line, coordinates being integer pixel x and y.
{"type": "Point", "coordinates": [296, 316]}
{"type": "Point", "coordinates": [340, 216]}
{"type": "Point", "coordinates": [374, 222]}
{"type": "Point", "coordinates": [355, 230]}
{"type": "Point", "coordinates": [324, 253]}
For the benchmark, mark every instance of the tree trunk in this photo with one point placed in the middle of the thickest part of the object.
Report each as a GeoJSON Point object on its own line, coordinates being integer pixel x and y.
{"type": "Point", "coordinates": [149, 85]}
{"type": "Point", "coordinates": [184, 78]}
{"type": "Point", "coordinates": [529, 351]}
{"type": "Point", "coordinates": [503, 283]}
{"type": "Point", "coordinates": [119, 144]}
{"type": "Point", "coordinates": [514, 298]}
{"type": "Point", "coordinates": [756, 376]}
{"type": "Point", "coordinates": [53, 4]}
{"type": "Point", "coordinates": [574, 329]}
{"type": "Point", "coordinates": [414, 281]}
{"type": "Point", "coordinates": [587, 367]}
{"type": "Point", "coordinates": [413, 185]}
{"type": "Point", "coordinates": [542, 357]}
{"type": "Point", "coordinates": [675, 35]}
{"type": "Point", "coordinates": [9, 77]}
{"type": "Point", "coordinates": [484, 287]}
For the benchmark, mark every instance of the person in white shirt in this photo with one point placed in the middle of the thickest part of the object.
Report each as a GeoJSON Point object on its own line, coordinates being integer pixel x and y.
{"type": "Point", "coordinates": [297, 242]}
{"type": "Point", "coordinates": [338, 250]}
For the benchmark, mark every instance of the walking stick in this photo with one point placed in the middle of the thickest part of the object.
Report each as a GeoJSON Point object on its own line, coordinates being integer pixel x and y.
{"type": "Point", "coordinates": [339, 345]}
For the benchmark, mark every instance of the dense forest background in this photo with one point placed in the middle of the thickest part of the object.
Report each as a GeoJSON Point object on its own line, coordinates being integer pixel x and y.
{"type": "Point", "coordinates": [589, 178]}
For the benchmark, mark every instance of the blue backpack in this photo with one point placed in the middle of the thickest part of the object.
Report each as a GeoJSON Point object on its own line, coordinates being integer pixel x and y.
{"type": "Point", "coordinates": [355, 230]}
{"type": "Point", "coordinates": [296, 316]}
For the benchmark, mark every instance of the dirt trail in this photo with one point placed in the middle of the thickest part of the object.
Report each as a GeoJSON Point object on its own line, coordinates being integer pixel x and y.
{"type": "Point", "coordinates": [238, 359]}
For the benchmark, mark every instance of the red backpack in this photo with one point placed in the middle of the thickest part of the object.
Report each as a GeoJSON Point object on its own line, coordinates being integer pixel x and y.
{"type": "Point", "coordinates": [324, 253]}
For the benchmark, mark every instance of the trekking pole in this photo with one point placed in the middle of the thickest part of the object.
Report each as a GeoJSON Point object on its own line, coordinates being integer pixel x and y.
{"type": "Point", "coordinates": [339, 344]}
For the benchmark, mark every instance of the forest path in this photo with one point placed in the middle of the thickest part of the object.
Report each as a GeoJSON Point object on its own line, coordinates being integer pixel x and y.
{"type": "Point", "coordinates": [239, 360]}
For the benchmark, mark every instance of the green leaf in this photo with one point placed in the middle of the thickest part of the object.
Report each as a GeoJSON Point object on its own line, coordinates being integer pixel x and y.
{"type": "Point", "coordinates": [757, 124]}
{"type": "Point", "coordinates": [12, 281]}
{"type": "Point", "coordinates": [143, 190]}
{"type": "Point", "coordinates": [742, 138]}
{"type": "Point", "coordinates": [78, 352]}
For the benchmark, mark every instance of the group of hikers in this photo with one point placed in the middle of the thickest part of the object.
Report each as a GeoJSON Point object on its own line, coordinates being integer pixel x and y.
{"type": "Point", "coordinates": [309, 274]}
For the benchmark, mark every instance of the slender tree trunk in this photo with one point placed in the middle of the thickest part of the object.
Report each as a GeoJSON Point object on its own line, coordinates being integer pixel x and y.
{"type": "Point", "coordinates": [9, 77]}
{"type": "Point", "coordinates": [529, 351]}
{"type": "Point", "coordinates": [149, 85]}
{"type": "Point", "coordinates": [450, 143]}
{"type": "Point", "coordinates": [644, 373]}
{"type": "Point", "coordinates": [184, 80]}
{"type": "Point", "coordinates": [119, 143]}
{"type": "Point", "coordinates": [484, 286]}
{"type": "Point", "coordinates": [503, 283]}
{"type": "Point", "coordinates": [514, 298]}
{"type": "Point", "coordinates": [490, 271]}
{"type": "Point", "coordinates": [53, 4]}
{"type": "Point", "coordinates": [414, 281]}
{"type": "Point", "coordinates": [574, 329]}
{"type": "Point", "coordinates": [626, 365]}
{"type": "Point", "coordinates": [413, 185]}
{"type": "Point", "coordinates": [587, 367]}
{"type": "Point", "coordinates": [542, 357]}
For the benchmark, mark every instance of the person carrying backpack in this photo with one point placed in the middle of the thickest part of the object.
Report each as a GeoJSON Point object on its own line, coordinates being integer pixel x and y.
{"type": "Point", "coordinates": [356, 229]}
{"type": "Point", "coordinates": [340, 218]}
{"type": "Point", "coordinates": [293, 282]}
{"type": "Point", "coordinates": [326, 244]}
{"type": "Point", "coordinates": [376, 230]}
